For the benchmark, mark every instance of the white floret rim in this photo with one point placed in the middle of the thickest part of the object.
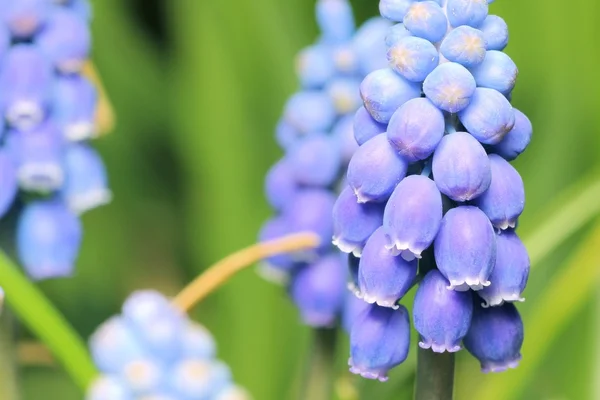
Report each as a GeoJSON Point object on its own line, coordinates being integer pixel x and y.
{"type": "Point", "coordinates": [498, 300]}
{"type": "Point", "coordinates": [43, 177]}
{"type": "Point", "coordinates": [466, 284]}
{"type": "Point", "coordinates": [439, 348]}
{"type": "Point", "coordinates": [83, 202]}
{"type": "Point", "coordinates": [346, 246]}
{"type": "Point", "coordinates": [376, 300]}
{"type": "Point", "coordinates": [404, 250]}
{"type": "Point", "coordinates": [500, 366]}
{"type": "Point", "coordinates": [505, 224]}
{"type": "Point", "coordinates": [79, 131]}
{"type": "Point", "coordinates": [273, 274]}
{"type": "Point", "coordinates": [367, 373]}
{"type": "Point", "coordinates": [360, 198]}
{"type": "Point", "coordinates": [25, 114]}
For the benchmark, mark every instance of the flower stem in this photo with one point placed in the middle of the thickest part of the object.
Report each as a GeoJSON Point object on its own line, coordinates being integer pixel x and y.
{"type": "Point", "coordinates": [8, 362]}
{"type": "Point", "coordinates": [219, 273]}
{"type": "Point", "coordinates": [435, 375]}
{"type": "Point", "coordinates": [40, 316]}
{"type": "Point", "coordinates": [318, 384]}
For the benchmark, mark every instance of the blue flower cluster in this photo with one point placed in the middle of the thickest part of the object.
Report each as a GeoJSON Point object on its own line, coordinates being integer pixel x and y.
{"type": "Point", "coordinates": [153, 351]}
{"type": "Point", "coordinates": [440, 108]}
{"type": "Point", "coordinates": [47, 110]}
{"type": "Point", "coordinates": [316, 134]}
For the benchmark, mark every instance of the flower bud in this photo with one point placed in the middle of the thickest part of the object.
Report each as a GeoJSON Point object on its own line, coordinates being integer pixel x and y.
{"type": "Point", "coordinates": [353, 307]}
{"type": "Point", "coordinates": [465, 248]}
{"type": "Point", "coordinates": [383, 278]}
{"type": "Point", "coordinates": [108, 387]}
{"type": "Point", "coordinates": [353, 222]}
{"type": "Point", "coordinates": [74, 108]}
{"type": "Point", "coordinates": [509, 276]}
{"type": "Point", "coordinates": [495, 337]}
{"type": "Point", "coordinates": [66, 40]}
{"type": "Point", "coordinates": [516, 141]}
{"type": "Point", "coordinates": [113, 345]}
{"type": "Point", "coordinates": [375, 170]}
{"type": "Point", "coordinates": [489, 116]}
{"type": "Point", "coordinates": [369, 46]}
{"type": "Point", "coordinates": [504, 200]}
{"type": "Point", "coordinates": [310, 111]}
{"type": "Point", "coordinates": [495, 32]}
{"type": "Point", "coordinates": [316, 160]}
{"type": "Point", "coordinates": [319, 289]}
{"type": "Point", "coordinates": [379, 341]}
{"type": "Point", "coordinates": [394, 10]}
{"type": "Point", "coordinates": [450, 87]}
{"type": "Point", "coordinates": [497, 71]}
{"type": "Point", "coordinates": [25, 17]}
{"type": "Point", "coordinates": [413, 58]}
{"type": "Point", "coordinates": [335, 19]}
{"type": "Point", "coordinates": [441, 316]}
{"type": "Point", "coordinates": [412, 216]}
{"type": "Point", "coordinates": [280, 186]}
{"type": "Point", "coordinates": [464, 45]}
{"type": "Point", "coordinates": [27, 81]}
{"type": "Point", "coordinates": [48, 239]}
{"type": "Point", "coordinates": [415, 129]}
{"type": "Point", "coordinates": [314, 66]}
{"type": "Point", "coordinates": [466, 12]}
{"type": "Point", "coordinates": [86, 183]}
{"type": "Point", "coordinates": [157, 323]}
{"type": "Point", "coordinates": [461, 167]}
{"type": "Point", "coordinates": [39, 157]}
{"type": "Point", "coordinates": [383, 91]}
{"type": "Point", "coordinates": [310, 211]}
{"type": "Point", "coordinates": [427, 20]}
{"type": "Point", "coordinates": [198, 379]}
{"type": "Point", "coordinates": [365, 127]}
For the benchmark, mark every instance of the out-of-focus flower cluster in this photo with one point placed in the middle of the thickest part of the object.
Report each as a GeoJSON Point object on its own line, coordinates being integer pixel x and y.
{"type": "Point", "coordinates": [49, 174]}
{"type": "Point", "coordinates": [316, 134]}
{"type": "Point", "coordinates": [152, 351]}
{"type": "Point", "coordinates": [440, 108]}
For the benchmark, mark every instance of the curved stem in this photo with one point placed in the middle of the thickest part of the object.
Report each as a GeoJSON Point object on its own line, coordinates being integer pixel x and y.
{"type": "Point", "coordinates": [8, 363]}
{"type": "Point", "coordinates": [318, 384]}
{"type": "Point", "coordinates": [105, 114]}
{"type": "Point", "coordinates": [435, 375]}
{"type": "Point", "coordinates": [219, 273]}
{"type": "Point", "coordinates": [36, 312]}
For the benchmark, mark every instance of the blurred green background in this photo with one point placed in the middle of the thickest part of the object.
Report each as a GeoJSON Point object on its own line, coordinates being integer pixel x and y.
{"type": "Point", "coordinates": [198, 87]}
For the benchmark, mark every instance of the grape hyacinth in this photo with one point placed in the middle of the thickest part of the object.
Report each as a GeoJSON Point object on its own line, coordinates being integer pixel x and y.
{"type": "Point", "coordinates": [49, 173]}
{"type": "Point", "coordinates": [436, 134]}
{"type": "Point", "coordinates": [153, 351]}
{"type": "Point", "coordinates": [316, 134]}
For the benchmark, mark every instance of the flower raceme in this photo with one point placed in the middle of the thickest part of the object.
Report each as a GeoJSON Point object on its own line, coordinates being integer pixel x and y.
{"type": "Point", "coordinates": [153, 351]}
{"type": "Point", "coordinates": [431, 186]}
{"type": "Point", "coordinates": [48, 109]}
{"type": "Point", "coordinates": [316, 134]}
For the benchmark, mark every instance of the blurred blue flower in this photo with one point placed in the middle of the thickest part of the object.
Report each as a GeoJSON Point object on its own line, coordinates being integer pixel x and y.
{"type": "Point", "coordinates": [152, 350]}
{"type": "Point", "coordinates": [316, 133]}
{"type": "Point", "coordinates": [45, 103]}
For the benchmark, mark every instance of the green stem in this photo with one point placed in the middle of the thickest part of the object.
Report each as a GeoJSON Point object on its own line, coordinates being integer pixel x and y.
{"type": "Point", "coordinates": [8, 363]}
{"type": "Point", "coordinates": [435, 375]}
{"type": "Point", "coordinates": [320, 374]}
{"type": "Point", "coordinates": [38, 314]}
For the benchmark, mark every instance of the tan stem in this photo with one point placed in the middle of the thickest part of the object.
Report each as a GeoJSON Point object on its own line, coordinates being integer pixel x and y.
{"type": "Point", "coordinates": [105, 115]}
{"type": "Point", "coordinates": [219, 273]}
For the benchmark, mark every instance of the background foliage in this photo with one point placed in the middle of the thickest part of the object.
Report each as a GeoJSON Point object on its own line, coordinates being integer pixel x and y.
{"type": "Point", "coordinates": [198, 87]}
